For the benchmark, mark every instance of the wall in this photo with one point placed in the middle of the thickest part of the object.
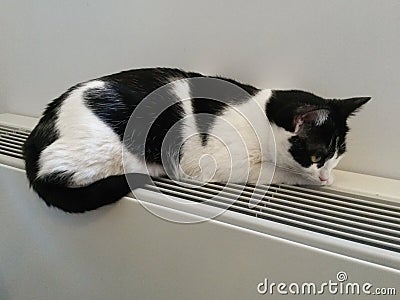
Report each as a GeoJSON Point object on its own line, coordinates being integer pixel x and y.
{"type": "Point", "coordinates": [333, 48]}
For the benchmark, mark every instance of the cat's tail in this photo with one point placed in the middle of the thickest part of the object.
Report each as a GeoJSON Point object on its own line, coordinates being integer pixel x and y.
{"type": "Point", "coordinates": [90, 197]}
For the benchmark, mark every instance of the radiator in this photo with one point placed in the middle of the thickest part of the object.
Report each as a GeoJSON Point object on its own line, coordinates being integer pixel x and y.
{"type": "Point", "coordinates": [159, 243]}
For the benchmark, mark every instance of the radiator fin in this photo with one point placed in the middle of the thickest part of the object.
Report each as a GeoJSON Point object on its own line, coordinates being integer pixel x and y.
{"type": "Point", "coordinates": [11, 141]}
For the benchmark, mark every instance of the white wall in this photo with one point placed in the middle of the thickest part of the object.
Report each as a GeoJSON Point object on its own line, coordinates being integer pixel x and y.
{"type": "Point", "coordinates": [334, 48]}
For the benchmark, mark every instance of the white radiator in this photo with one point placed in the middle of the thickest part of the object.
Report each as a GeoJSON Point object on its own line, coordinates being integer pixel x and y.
{"type": "Point", "coordinates": [295, 242]}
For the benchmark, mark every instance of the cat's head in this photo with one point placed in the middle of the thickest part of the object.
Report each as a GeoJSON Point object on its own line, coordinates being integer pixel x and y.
{"type": "Point", "coordinates": [315, 131]}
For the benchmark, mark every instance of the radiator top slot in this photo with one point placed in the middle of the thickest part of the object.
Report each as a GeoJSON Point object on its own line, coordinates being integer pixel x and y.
{"type": "Point", "coordinates": [11, 141]}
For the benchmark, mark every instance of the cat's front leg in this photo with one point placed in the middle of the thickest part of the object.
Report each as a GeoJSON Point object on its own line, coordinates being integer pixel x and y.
{"type": "Point", "coordinates": [261, 173]}
{"type": "Point", "coordinates": [266, 173]}
{"type": "Point", "coordinates": [292, 178]}
{"type": "Point", "coordinates": [287, 177]}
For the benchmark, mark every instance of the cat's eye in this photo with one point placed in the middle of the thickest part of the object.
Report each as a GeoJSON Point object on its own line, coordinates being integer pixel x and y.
{"type": "Point", "coordinates": [315, 158]}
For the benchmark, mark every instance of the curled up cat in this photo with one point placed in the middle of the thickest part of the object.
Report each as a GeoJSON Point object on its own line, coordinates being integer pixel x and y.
{"type": "Point", "coordinates": [100, 136]}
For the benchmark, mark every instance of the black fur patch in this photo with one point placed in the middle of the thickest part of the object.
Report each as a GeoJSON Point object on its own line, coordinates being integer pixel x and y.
{"type": "Point", "coordinates": [322, 140]}
{"type": "Point", "coordinates": [319, 142]}
{"type": "Point", "coordinates": [212, 97]}
{"type": "Point", "coordinates": [284, 106]}
{"type": "Point", "coordinates": [116, 102]}
{"type": "Point", "coordinates": [110, 106]}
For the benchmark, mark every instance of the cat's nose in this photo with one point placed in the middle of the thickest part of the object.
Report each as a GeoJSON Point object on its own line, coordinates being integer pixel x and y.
{"type": "Point", "coordinates": [324, 175]}
{"type": "Point", "coordinates": [323, 178]}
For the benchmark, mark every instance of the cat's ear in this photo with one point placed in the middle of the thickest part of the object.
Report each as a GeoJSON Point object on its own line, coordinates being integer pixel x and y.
{"type": "Point", "coordinates": [349, 107]}
{"type": "Point", "coordinates": [313, 117]}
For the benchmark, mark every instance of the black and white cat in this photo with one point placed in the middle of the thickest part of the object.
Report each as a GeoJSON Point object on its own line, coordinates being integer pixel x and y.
{"type": "Point", "coordinates": [159, 121]}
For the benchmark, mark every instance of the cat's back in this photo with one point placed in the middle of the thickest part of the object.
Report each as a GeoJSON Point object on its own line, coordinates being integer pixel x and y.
{"type": "Point", "coordinates": [85, 125]}
{"type": "Point", "coordinates": [84, 128]}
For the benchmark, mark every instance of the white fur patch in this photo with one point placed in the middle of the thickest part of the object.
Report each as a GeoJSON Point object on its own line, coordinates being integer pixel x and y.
{"type": "Point", "coordinates": [239, 141]}
{"type": "Point", "coordinates": [86, 146]}
{"type": "Point", "coordinates": [323, 115]}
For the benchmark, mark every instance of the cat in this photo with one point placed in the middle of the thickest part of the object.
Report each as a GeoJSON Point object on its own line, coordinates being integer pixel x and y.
{"type": "Point", "coordinates": [98, 137]}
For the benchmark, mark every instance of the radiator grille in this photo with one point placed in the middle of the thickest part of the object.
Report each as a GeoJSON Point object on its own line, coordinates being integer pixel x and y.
{"type": "Point", "coordinates": [351, 217]}
{"type": "Point", "coordinates": [347, 216]}
{"type": "Point", "coordinates": [11, 141]}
